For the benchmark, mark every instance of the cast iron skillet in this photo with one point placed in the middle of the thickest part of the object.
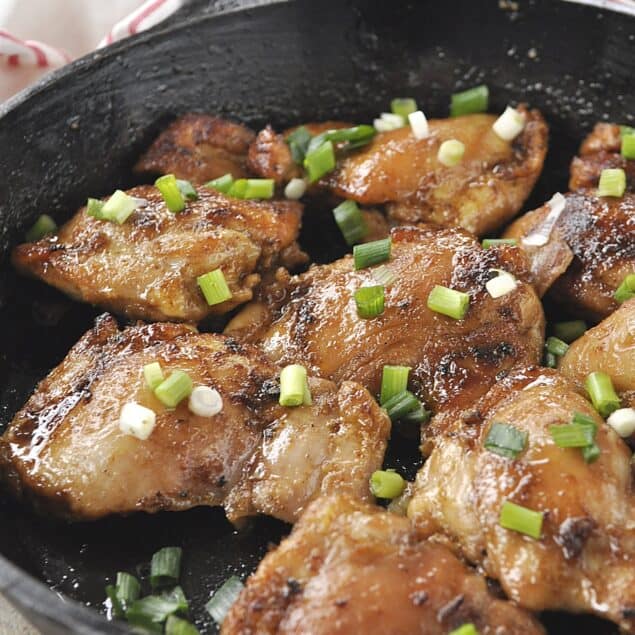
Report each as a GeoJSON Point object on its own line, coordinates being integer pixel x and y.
{"type": "Point", "coordinates": [77, 134]}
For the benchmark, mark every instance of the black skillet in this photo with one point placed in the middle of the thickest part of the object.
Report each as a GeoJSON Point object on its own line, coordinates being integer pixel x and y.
{"type": "Point", "coordinates": [77, 134]}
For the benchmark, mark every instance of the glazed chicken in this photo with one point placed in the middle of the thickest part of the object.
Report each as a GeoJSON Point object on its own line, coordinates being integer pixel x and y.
{"type": "Point", "coordinates": [599, 151]}
{"type": "Point", "coordinates": [584, 559]}
{"type": "Point", "coordinates": [147, 267]}
{"type": "Point", "coordinates": [65, 452]}
{"type": "Point", "coordinates": [353, 568]}
{"type": "Point", "coordinates": [590, 250]}
{"type": "Point", "coordinates": [199, 148]}
{"type": "Point", "coordinates": [312, 319]}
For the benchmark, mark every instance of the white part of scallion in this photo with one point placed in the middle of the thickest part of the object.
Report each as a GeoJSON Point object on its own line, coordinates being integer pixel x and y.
{"type": "Point", "coordinates": [451, 153]}
{"type": "Point", "coordinates": [222, 600]}
{"type": "Point", "coordinates": [388, 121]}
{"type": "Point", "coordinates": [295, 189]}
{"type": "Point", "coordinates": [510, 124]}
{"type": "Point", "coordinates": [501, 285]}
{"type": "Point", "coordinates": [137, 420]}
{"type": "Point", "coordinates": [419, 124]}
{"type": "Point", "coordinates": [623, 421]}
{"type": "Point", "coordinates": [205, 401]}
{"type": "Point", "coordinates": [540, 236]}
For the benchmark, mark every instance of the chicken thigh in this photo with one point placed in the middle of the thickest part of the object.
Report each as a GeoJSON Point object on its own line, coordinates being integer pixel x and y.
{"type": "Point", "coordinates": [353, 568]}
{"type": "Point", "coordinates": [65, 451]}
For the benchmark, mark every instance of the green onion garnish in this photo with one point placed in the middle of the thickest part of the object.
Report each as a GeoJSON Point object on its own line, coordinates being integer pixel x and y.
{"type": "Point", "coordinates": [591, 453]}
{"type": "Point", "coordinates": [386, 484]}
{"type": "Point", "coordinates": [171, 193]}
{"type": "Point", "coordinates": [493, 242]}
{"type": "Point", "coordinates": [350, 221]}
{"type": "Point", "coordinates": [125, 591]}
{"type": "Point", "coordinates": [556, 346]}
{"type": "Point", "coordinates": [221, 184]}
{"type": "Point", "coordinates": [259, 188]}
{"type": "Point", "coordinates": [419, 415]}
{"type": "Point", "coordinates": [383, 275]}
{"type": "Point", "coordinates": [626, 290]}
{"type": "Point", "coordinates": [403, 106]}
{"type": "Point", "coordinates": [569, 331]}
{"type": "Point", "coordinates": [94, 208]}
{"type": "Point", "coordinates": [551, 361]}
{"type": "Point", "coordinates": [466, 629]}
{"type": "Point", "coordinates": [354, 137]}
{"type": "Point", "coordinates": [628, 146]}
{"type": "Point", "coordinates": [43, 226]}
{"type": "Point", "coordinates": [572, 435]}
{"type": "Point", "coordinates": [520, 519]}
{"type": "Point", "coordinates": [178, 626]}
{"type": "Point", "coordinates": [451, 152]}
{"type": "Point", "coordinates": [294, 386]}
{"type": "Point", "coordinates": [238, 189]}
{"type": "Point", "coordinates": [153, 374]}
{"type": "Point", "coordinates": [470, 101]}
{"type": "Point", "coordinates": [320, 161]}
{"type": "Point", "coordinates": [165, 567]}
{"type": "Point", "coordinates": [298, 142]}
{"type": "Point", "coordinates": [626, 130]}
{"type": "Point", "coordinates": [369, 301]}
{"type": "Point", "coordinates": [222, 600]}
{"type": "Point", "coordinates": [372, 253]}
{"type": "Point", "coordinates": [187, 190]}
{"type": "Point", "coordinates": [448, 302]}
{"type": "Point", "coordinates": [506, 440]}
{"type": "Point", "coordinates": [394, 380]}
{"type": "Point", "coordinates": [612, 182]}
{"type": "Point", "coordinates": [401, 404]}
{"type": "Point", "coordinates": [174, 389]}
{"type": "Point", "coordinates": [603, 395]}
{"type": "Point", "coordinates": [214, 287]}
{"type": "Point", "coordinates": [151, 611]}
{"type": "Point", "coordinates": [118, 207]}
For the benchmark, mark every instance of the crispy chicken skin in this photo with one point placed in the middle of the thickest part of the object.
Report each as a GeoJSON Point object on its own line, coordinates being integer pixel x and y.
{"type": "Point", "coordinates": [147, 267]}
{"type": "Point", "coordinates": [199, 148]}
{"type": "Point", "coordinates": [609, 347]}
{"type": "Point", "coordinates": [65, 453]}
{"type": "Point", "coordinates": [353, 568]}
{"type": "Point", "coordinates": [484, 191]}
{"type": "Point", "coordinates": [590, 251]}
{"type": "Point", "coordinates": [585, 559]}
{"type": "Point", "coordinates": [599, 151]}
{"type": "Point", "coordinates": [312, 319]}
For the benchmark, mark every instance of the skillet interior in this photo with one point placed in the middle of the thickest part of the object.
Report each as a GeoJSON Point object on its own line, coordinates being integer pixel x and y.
{"type": "Point", "coordinates": [78, 134]}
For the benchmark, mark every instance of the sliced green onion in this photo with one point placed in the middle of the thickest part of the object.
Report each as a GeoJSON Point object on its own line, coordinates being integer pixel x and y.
{"type": "Point", "coordinates": [221, 184]}
{"type": "Point", "coordinates": [165, 567]}
{"type": "Point", "coordinates": [187, 190]}
{"type": "Point", "coordinates": [171, 193]}
{"type": "Point", "coordinates": [612, 182]}
{"type": "Point", "coordinates": [466, 629]}
{"type": "Point", "coordinates": [372, 253]}
{"type": "Point", "coordinates": [178, 626]}
{"type": "Point", "coordinates": [125, 591]}
{"type": "Point", "coordinates": [386, 484]}
{"type": "Point", "coordinates": [118, 207]}
{"type": "Point", "coordinates": [569, 331]}
{"type": "Point", "coordinates": [603, 395]}
{"type": "Point", "coordinates": [448, 302]}
{"type": "Point", "coordinates": [94, 208]}
{"type": "Point", "coordinates": [369, 301]}
{"type": "Point", "coordinates": [451, 152]}
{"type": "Point", "coordinates": [259, 188]}
{"type": "Point", "coordinates": [551, 361]}
{"type": "Point", "coordinates": [419, 415]}
{"type": "Point", "coordinates": [153, 374]}
{"type": "Point", "coordinates": [628, 146]}
{"type": "Point", "coordinates": [294, 386]}
{"type": "Point", "coordinates": [401, 404]}
{"type": "Point", "coordinates": [223, 599]}
{"type": "Point", "coordinates": [494, 242]}
{"type": "Point", "coordinates": [151, 611]}
{"type": "Point", "coordinates": [403, 106]}
{"type": "Point", "coordinates": [394, 380]}
{"type": "Point", "coordinates": [43, 226]}
{"type": "Point", "coordinates": [214, 287]}
{"type": "Point", "coordinates": [626, 130]}
{"type": "Point", "coordinates": [591, 453]}
{"type": "Point", "coordinates": [505, 440]}
{"type": "Point", "coordinates": [355, 137]}
{"type": "Point", "coordinates": [572, 435]}
{"type": "Point", "coordinates": [350, 221]}
{"type": "Point", "coordinates": [174, 389]}
{"type": "Point", "coordinates": [298, 142]}
{"type": "Point", "coordinates": [520, 519]}
{"type": "Point", "coordinates": [626, 290]}
{"type": "Point", "coordinates": [238, 189]}
{"type": "Point", "coordinates": [470, 101]}
{"type": "Point", "coordinates": [320, 161]}
{"type": "Point", "coordinates": [556, 346]}
{"type": "Point", "coordinates": [383, 275]}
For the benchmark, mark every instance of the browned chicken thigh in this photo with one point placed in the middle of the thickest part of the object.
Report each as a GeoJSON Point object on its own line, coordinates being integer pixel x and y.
{"type": "Point", "coordinates": [582, 559]}
{"type": "Point", "coordinates": [66, 451]}
{"type": "Point", "coordinates": [147, 267]}
{"type": "Point", "coordinates": [587, 253]}
{"type": "Point", "coordinates": [199, 148]}
{"type": "Point", "coordinates": [312, 319]}
{"type": "Point", "coordinates": [353, 568]}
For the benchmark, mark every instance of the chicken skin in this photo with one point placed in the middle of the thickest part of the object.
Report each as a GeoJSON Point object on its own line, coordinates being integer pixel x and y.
{"type": "Point", "coordinates": [312, 319]}
{"type": "Point", "coordinates": [590, 250]}
{"type": "Point", "coordinates": [147, 268]}
{"type": "Point", "coordinates": [353, 568]}
{"type": "Point", "coordinates": [600, 151]}
{"type": "Point", "coordinates": [65, 452]}
{"type": "Point", "coordinates": [584, 559]}
{"type": "Point", "coordinates": [199, 148]}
